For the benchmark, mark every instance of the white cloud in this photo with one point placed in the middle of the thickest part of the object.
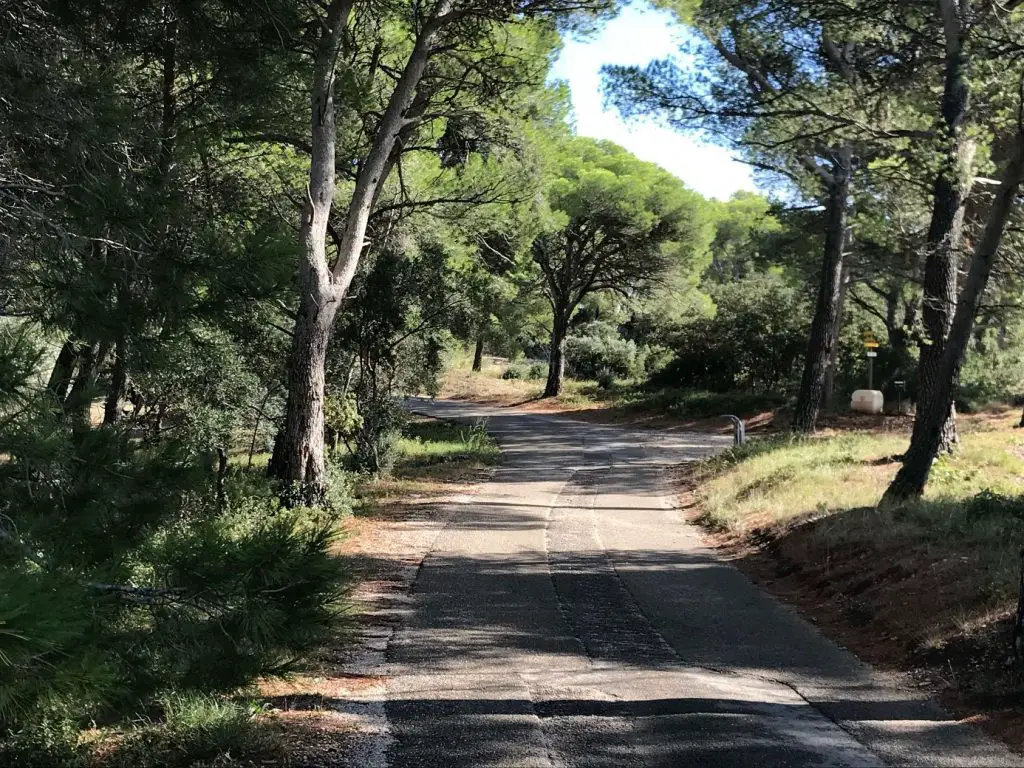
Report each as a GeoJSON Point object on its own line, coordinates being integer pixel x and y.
{"type": "Point", "coordinates": [637, 36]}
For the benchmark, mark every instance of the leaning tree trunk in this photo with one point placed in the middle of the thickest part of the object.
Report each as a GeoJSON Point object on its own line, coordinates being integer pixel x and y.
{"type": "Point", "coordinates": [825, 326]}
{"type": "Point", "coordinates": [945, 232]}
{"type": "Point", "coordinates": [940, 289]}
{"type": "Point", "coordinates": [63, 371]}
{"type": "Point", "coordinates": [556, 359]}
{"type": "Point", "coordinates": [927, 441]}
{"type": "Point", "coordinates": [478, 355]}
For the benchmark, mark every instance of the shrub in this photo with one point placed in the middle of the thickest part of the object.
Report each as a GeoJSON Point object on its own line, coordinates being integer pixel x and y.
{"type": "Point", "coordinates": [993, 372]}
{"type": "Point", "coordinates": [596, 351]}
{"type": "Point", "coordinates": [130, 575]}
{"type": "Point", "coordinates": [195, 730]}
{"type": "Point", "coordinates": [754, 341]}
{"type": "Point", "coordinates": [514, 372]}
{"type": "Point", "coordinates": [537, 371]}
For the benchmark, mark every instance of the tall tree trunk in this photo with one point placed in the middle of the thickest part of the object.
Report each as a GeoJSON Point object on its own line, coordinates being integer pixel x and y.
{"type": "Point", "coordinates": [299, 456]}
{"type": "Point", "coordinates": [825, 326]}
{"type": "Point", "coordinates": [63, 370]}
{"type": "Point", "coordinates": [299, 449]}
{"type": "Point", "coordinates": [945, 232]}
{"type": "Point", "coordinates": [556, 359]}
{"type": "Point", "coordinates": [927, 441]}
{"type": "Point", "coordinates": [478, 355]}
{"type": "Point", "coordinates": [79, 401]}
{"type": "Point", "coordinates": [118, 384]}
{"type": "Point", "coordinates": [829, 393]}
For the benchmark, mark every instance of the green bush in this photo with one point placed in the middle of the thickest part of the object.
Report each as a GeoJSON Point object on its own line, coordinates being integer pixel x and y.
{"type": "Point", "coordinates": [514, 372]}
{"type": "Point", "coordinates": [754, 342]}
{"type": "Point", "coordinates": [537, 371]}
{"type": "Point", "coordinates": [597, 352]}
{"type": "Point", "coordinates": [993, 372]}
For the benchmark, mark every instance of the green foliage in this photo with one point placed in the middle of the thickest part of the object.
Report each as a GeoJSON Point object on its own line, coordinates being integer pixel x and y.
{"type": "Point", "coordinates": [195, 730]}
{"type": "Point", "coordinates": [994, 369]}
{"type": "Point", "coordinates": [512, 373]}
{"type": "Point", "coordinates": [596, 351]}
{"type": "Point", "coordinates": [991, 504]}
{"type": "Point", "coordinates": [530, 370]}
{"type": "Point", "coordinates": [430, 442]}
{"type": "Point", "coordinates": [131, 577]}
{"type": "Point", "coordinates": [753, 342]}
{"type": "Point", "coordinates": [341, 415]}
{"type": "Point", "coordinates": [50, 741]}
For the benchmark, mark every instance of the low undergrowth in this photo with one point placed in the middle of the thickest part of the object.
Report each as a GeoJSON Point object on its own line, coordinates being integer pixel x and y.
{"type": "Point", "coordinates": [427, 442]}
{"type": "Point", "coordinates": [621, 398]}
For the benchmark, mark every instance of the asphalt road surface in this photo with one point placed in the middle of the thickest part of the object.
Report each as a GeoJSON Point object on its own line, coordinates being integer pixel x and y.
{"type": "Point", "coordinates": [568, 616]}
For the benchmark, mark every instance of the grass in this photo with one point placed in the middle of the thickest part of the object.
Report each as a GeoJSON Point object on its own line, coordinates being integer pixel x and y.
{"type": "Point", "coordinates": [198, 731]}
{"type": "Point", "coordinates": [775, 481]}
{"type": "Point", "coordinates": [429, 441]}
{"type": "Point", "coordinates": [934, 575]}
{"type": "Point", "coordinates": [432, 456]}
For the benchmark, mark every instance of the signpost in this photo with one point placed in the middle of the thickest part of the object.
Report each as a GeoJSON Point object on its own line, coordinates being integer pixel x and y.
{"type": "Point", "coordinates": [871, 345]}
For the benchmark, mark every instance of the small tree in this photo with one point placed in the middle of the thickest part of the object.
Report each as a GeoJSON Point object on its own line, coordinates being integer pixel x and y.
{"type": "Point", "coordinates": [614, 223]}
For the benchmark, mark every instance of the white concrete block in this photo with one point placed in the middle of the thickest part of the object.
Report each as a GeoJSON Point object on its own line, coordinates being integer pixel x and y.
{"type": "Point", "coordinates": [867, 401]}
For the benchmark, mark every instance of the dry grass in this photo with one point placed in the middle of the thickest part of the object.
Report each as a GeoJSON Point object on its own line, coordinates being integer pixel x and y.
{"type": "Point", "coordinates": [782, 481]}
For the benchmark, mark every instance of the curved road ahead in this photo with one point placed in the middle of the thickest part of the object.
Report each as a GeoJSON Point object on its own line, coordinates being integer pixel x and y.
{"type": "Point", "coordinates": [568, 616]}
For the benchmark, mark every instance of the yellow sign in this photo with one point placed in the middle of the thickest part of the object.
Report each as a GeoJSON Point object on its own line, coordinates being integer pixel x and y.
{"type": "Point", "coordinates": [870, 342]}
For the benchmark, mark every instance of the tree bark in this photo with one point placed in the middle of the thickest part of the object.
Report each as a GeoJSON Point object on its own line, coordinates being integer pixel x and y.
{"type": "Point", "coordinates": [299, 449]}
{"type": "Point", "coordinates": [945, 231]}
{"type": "Point", "coordinates": [829, 392]}
{"type": "Point", "coordinates": [927, 441]}
{"type": "Point", "coordinates": [118, 384]}
{"type": "Point", "coordinates": [478, 355]}
{"type": "Point", "coordinates": [556, 359]}
{"type": "Point", "coordinates": [825, 326]}
{"type": "Point", "coordinates": [63, 370]}
{"type": "Point", "coordinates": [79, 399]}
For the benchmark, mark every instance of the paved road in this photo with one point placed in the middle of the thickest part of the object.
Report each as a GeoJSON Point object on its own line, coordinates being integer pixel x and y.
{"type": "Point", "coordinates": [569, 617]}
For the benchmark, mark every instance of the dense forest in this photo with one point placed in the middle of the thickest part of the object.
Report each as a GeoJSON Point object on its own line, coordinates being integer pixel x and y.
{"type": "Point", "coordinates": [232, 234]}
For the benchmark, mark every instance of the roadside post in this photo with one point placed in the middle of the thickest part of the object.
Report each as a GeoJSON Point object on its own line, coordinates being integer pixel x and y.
{"type": "Point", "coordinates": [900, 384]}
{"type": "Point", "coordinates": [739, 429]}
{"type": "Point", "coordinates": [871, 350]}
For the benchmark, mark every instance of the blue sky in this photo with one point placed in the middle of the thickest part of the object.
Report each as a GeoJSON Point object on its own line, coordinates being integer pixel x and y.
{"type": "Point", "coordinates": [638, 35]}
